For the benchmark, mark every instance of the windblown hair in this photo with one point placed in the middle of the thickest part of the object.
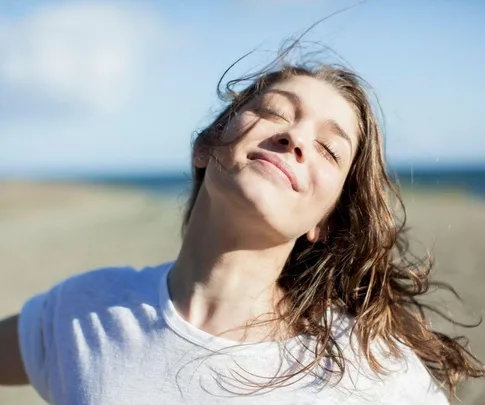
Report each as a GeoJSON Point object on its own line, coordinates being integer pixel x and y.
{"type": "Point", "coordinates": [363, 268]}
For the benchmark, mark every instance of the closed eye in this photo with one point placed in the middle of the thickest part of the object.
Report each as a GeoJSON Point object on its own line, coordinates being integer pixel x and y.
{"type": "Point", "coordinates": [265, 112]}
{"type": "Point", "coordinates": [326, 150]}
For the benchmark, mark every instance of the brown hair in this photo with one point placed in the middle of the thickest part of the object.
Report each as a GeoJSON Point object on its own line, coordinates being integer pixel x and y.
{"type": "Point", "coordinates": [363, 268]}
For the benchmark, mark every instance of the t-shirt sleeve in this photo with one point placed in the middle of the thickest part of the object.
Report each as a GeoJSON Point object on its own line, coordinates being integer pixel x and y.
{"type": "Point", "coordinates": [419, 384]}
{"type": "Point", "coordinates": [436, 395]}
{"type": "Point", "coordinates": [46, 337]}
{"type": "Point", "coordinates": [33, 321]}
{"type": "Point", "coordinates": [433, 393]}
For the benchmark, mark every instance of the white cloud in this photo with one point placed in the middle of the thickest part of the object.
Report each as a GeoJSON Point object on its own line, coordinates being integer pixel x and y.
{"type": "Point", "coordinates": [78, 52]}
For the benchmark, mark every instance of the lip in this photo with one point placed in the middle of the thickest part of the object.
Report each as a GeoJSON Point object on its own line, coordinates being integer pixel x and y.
{"type": "Point", "coordinates": [278, 163]}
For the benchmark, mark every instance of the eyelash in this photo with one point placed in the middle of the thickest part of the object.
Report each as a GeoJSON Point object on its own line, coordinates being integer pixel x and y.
{"type": "Point", "coordinates": [329, 151]}
{"type": "Point", "coordinates": [322, 145]}
{"type": "Point", "coordinates": [270, 112]}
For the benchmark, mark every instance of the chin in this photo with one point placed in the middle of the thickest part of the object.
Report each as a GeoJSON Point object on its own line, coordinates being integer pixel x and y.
{"type": "Point", "coordinates": [258, 202]}
{"type": "Point", "coordinates": [270, 206]}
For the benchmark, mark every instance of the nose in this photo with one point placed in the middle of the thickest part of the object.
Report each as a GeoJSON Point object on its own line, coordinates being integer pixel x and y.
{"type": "Point", "coordinates": [292, 143]}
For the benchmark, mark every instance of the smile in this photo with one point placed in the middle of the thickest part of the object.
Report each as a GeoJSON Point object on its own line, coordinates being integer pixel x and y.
{"type": "Point", "coordinates": [278, 163]}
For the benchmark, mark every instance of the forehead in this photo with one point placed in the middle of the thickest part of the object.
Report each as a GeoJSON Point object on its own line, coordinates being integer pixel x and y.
{"type": "Point", "coordinates": [320, 99]}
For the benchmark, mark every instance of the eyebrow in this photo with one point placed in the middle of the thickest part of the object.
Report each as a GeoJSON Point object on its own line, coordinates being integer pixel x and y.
{"type": "Point", "coordinates": [292, 97]}
{"type": "Point", "coordinates": [297, 103]}
{"type": "Point", "coordinates": [337, 129]}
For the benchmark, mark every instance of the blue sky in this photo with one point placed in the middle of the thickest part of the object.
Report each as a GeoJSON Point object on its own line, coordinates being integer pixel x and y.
{"type": "Point", "coordinates": [113, 86]}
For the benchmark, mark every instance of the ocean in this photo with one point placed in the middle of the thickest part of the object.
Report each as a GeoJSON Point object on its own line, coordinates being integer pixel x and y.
{"type": "Point", "coordinates": [469, 179]}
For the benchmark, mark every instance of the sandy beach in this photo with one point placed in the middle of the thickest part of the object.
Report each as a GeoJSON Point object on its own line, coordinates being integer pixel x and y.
{"type": "Point", "coordinates": [52, 231]}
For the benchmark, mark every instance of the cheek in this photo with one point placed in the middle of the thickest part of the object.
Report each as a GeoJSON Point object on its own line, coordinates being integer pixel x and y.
{"type": "Point", "coordinates": [239, 128]}
{"type": "Point", "coordinates": [241, 134]}
{"type": "Point", "coordinates": [327, 186]}
{"type": "Point", "coordinates": [232, 138]}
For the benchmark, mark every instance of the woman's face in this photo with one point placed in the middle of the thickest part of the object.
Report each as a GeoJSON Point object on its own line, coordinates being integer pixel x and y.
{"type": "Point", "coordinates": [291, 149]}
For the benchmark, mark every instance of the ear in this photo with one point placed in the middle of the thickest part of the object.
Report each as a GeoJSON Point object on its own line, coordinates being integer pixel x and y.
{"type": "Point", "coordinates": [313, 235]}
{"type": "Point", "coordinates": [200, 157]}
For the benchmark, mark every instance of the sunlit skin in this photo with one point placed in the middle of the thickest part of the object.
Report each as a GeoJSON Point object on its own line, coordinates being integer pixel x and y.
{"type": "Point", "coordinates": [249, 211]}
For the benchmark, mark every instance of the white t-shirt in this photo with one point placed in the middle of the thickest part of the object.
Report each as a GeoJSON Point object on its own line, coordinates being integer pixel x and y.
{"type": "Point", "coordinates": [113, 336]}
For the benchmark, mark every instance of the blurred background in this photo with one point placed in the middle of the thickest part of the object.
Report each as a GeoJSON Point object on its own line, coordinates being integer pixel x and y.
{"type": "Point", "coordinates": [99, 101]}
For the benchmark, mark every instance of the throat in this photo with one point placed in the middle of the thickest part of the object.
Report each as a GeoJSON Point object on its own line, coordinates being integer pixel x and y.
{"type": "Point", "coordinates": [241, 318]}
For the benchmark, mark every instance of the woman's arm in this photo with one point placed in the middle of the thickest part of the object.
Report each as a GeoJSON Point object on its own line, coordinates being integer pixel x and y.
{"type": "Point", "coordinates": [12, 371]}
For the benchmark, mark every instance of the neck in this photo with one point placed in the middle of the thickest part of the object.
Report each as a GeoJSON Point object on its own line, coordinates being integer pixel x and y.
{"type": "Point", "coordinates": [225, 276]}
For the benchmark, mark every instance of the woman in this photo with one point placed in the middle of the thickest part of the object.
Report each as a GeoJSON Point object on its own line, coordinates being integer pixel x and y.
{"type": "Point", "coordinates": [292, 285]}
